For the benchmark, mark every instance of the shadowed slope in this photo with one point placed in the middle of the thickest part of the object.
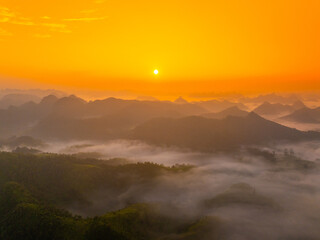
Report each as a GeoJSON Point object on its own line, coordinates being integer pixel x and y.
{"type": "Point", "coordinates": [204, 134]}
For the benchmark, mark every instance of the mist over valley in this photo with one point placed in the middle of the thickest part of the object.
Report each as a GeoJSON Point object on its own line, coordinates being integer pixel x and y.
{"type": "Point", "coordinates": [214, 169]}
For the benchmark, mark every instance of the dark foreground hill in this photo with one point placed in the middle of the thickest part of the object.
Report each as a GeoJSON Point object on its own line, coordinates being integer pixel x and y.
{"type": "Point", "coordinates": [203, 134]}
{"type": "Point", "coordinates": [33, 188]}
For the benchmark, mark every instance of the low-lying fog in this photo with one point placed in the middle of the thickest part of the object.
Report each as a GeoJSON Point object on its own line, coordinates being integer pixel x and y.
{"type": "Point", "coordinates": [260, 193]}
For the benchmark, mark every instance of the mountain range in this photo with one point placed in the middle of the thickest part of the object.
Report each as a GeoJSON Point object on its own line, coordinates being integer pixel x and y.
{"type": "Point", "coordinates": [304, 115]}
{"type": "Point", "coordinates": [203, 134]}
{"type": "Point", "coordinates": [231, 111]}
{"type": "Point", "coordinates": [184, 124]}
{"type": "Point", "coordinates": [267, 109]}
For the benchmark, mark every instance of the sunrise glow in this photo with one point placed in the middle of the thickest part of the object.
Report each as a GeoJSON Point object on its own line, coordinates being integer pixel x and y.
{"type": "Point", "coordinates": [209, 47]}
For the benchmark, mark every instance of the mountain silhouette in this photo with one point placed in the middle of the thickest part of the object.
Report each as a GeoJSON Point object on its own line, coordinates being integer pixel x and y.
{"type": "Point", "coordinates": [232, 111]}
{"type": "Point", "coordinates": [49, 100]}
{"type": "Point", "coordinates": [273, 109]}
{"type": "Point", "coordinates": [17, 100]}
{"type": "Point", "coordinates": [180, 100]}
{"type": "Point", "coordinates": [271, 98]}
{"type": "Point", "coordinates": [16, 119]}
{"type": "Point", "coordinates": [218, 106]}
{"type": "Point", "coordinates": [304, 115]}
{"type": "Point", "coordinates": [203, 134]}
{"type": "Point", "coordinates": [73, 118]}
{"type": "Point", "coordinates": [298, 105]}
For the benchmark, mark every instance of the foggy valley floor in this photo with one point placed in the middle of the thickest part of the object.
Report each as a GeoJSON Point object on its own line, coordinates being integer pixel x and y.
{"type": "Point", "coordinates": [265, 193]}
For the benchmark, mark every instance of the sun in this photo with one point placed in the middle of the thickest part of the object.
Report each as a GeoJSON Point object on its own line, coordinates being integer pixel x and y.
{"type": "Point", "coordinates": [156, 71]}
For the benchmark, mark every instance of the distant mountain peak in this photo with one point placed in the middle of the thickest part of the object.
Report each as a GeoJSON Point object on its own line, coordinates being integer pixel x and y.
{"type": "Point", "coordinates": [69, 105]}
{"type": "Point", "coordinates": [266, 103]}
{"type": "Point", "coordinates": [298, 104]}
{"type": "Point", "coordinates": [49, 99]}
{"type": "Point", "coordinates": [253, 115]}
{"type": "Point", "coordinates": [304, 115]}
{"type": "Point", "coordinates": [146, 98]}
{"type": "Point", "coordinates": [72, 98]}
{"type": "Point", "coordinates": [268, 108]}
{"type": "Point", "coordinates": [180, 100]}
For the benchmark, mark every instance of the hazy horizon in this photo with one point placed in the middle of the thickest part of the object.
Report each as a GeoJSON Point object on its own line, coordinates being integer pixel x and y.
{"type": "Point", "coordinates": [91, 95]}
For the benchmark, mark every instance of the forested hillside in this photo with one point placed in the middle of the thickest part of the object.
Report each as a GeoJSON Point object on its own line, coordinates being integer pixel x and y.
{"type": "Point", "coordinates": [35, 188]}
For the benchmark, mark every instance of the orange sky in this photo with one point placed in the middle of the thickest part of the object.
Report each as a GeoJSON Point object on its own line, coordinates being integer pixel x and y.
{"type": "Point", "coordinates": [198, 46]}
